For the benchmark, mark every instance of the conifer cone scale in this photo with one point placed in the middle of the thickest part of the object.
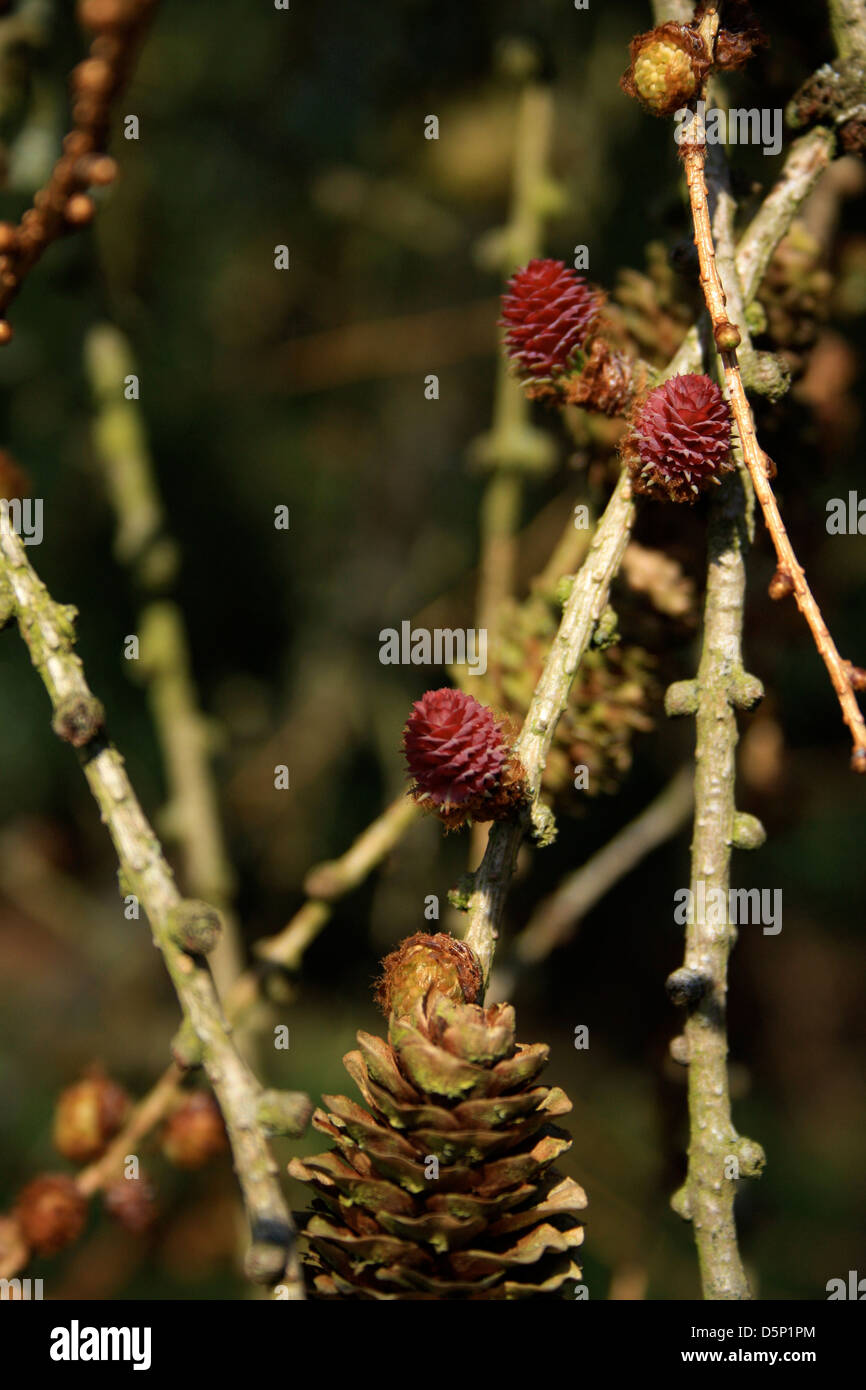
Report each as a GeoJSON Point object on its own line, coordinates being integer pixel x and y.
{"type": "Point", "coordinates": [443, 1187]}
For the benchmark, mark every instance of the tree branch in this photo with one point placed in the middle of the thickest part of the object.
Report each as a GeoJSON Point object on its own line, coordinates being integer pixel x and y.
{"type": "Point", "coordinates": [707, 1197]}
{"type": "Point", "coordinates": [326, 883]}
{"type": "Point", "coordinates": [47, 629]}
{"type": "Point", "coordinates": [716, 1152]}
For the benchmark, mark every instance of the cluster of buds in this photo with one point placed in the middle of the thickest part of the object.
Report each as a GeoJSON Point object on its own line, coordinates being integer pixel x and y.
{"type": "Point", "coordinates": [65, 202]}
{"type": "Point", "coordinates": [609, 704]}
{"type": "Point", "coordinates": [50, 1212]}
{"type": "Point", "coordinates": [460, 759]}
{"type": "Point", "coordinates": [552, 322]}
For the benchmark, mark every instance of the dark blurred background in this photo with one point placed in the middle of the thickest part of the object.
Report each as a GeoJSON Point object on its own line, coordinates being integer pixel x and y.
{"type": "Point", "coordinates": [306, 388]}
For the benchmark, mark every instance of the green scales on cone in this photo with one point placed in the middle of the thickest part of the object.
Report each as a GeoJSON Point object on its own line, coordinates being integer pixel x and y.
{"type": "Point", "coordinates": [444, 1187]}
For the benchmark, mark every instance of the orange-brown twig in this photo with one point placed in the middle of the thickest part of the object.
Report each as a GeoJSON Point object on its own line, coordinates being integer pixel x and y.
{"type": "Point", "coordinates": [791, 574]}
{"type": "Point", "coordinates": [64, 203]}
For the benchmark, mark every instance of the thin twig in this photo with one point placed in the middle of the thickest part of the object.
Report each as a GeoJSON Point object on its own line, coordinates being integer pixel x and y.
{"type": "Point", "coordinates": [142, 544]}
{"type": "Point", "coordinates": [328, 882]}
{"type": "Point", "coordinates": [63, 203]}
{"type": "Point", "coordinates": [145, 1115]}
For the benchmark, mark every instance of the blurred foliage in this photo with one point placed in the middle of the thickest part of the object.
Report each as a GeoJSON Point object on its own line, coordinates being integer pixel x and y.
{"type": "Point", "coordinates": [306, 388]}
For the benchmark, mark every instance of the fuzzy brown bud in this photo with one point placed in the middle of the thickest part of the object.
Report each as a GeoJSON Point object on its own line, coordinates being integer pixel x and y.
{"type": "Point", "coordinates": [78, 719]}
{"type": "Point", "coordinates": [781, 585]}
{"type": "Point", "coordinates": [195, 926]}
{"type": "Point", "coordinates": [194, 1133]}
{"type": "Point", "coordinates": [87, 1116]}
{"type": "Point", "coordinates": [51, 1213]}
{"type": "Point", "coordinates": [132, 1203]}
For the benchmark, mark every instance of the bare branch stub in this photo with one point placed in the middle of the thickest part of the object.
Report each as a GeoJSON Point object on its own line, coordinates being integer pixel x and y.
{"type": "Point", "coordinates": [65, 204]}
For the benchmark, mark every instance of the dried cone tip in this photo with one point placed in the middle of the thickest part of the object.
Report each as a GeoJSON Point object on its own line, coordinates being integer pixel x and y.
{"type": "Point", "coordinates": [423, 962]}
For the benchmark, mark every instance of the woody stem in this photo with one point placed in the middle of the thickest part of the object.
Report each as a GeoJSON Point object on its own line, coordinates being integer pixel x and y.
{"type": "Point", "coordinates": [793, 576]}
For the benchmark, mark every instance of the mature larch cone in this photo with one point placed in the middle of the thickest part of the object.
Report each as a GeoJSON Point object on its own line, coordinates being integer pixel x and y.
{"type": "Point", "coordinates": [444, 1187]}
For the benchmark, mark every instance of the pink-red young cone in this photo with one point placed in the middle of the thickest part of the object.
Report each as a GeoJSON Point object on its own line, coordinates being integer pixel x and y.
{"type": "Point", "coordinates": [681, 439]}
{"type": "Point", "coordinates": [458, 758]}
{"type": "Point", "coordinates": [548, 312]}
